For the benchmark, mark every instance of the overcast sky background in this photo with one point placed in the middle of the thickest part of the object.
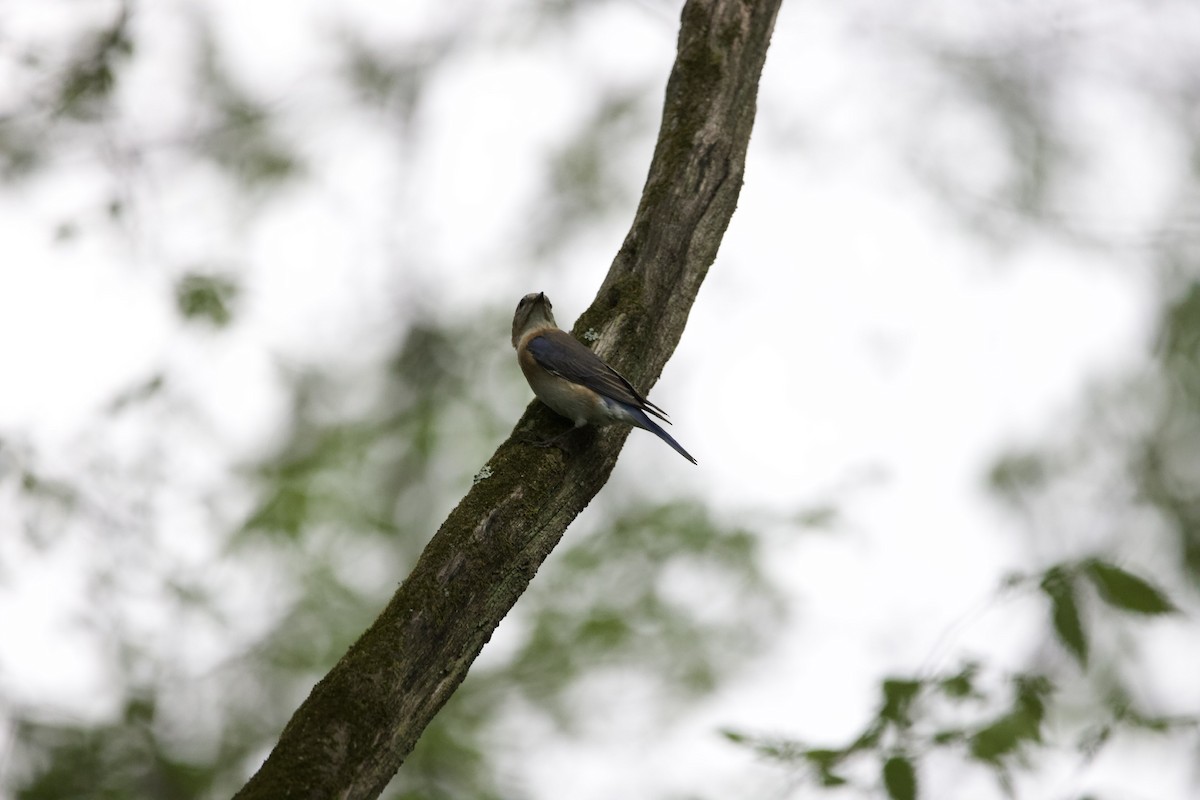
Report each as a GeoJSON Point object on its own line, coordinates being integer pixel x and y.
{"type": "Point", "coordinates": [854, 343]}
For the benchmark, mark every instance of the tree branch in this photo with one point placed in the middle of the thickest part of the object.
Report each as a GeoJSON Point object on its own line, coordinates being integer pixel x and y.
{"type": "Point", "coordinates": [360, 722]}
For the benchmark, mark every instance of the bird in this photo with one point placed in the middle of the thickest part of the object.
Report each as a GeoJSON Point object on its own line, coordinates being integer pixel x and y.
{"type": "Point", "coordinates": [575, 382]}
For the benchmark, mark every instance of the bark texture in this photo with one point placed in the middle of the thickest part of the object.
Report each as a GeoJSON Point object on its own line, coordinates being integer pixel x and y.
{"type": "Point", "coordinates": [362, 719]}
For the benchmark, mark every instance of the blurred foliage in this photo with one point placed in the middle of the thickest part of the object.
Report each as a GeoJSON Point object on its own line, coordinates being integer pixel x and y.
{"type": "Point", "coordinates": [117, 760]}
{"type": "Point", "coordinates": [997, 721]}
{"type": "Point", "coordinates": [240, 136]}
{"type": "Point", "coordinates": [206, 297]}
{"type": "Point", "coordinates": [363, 465]}
{"type": "Point", "coordinates": [49, 500]}
{"type": "Point", "coordinates": [664, 594]}
{"type": "Point", "coordinates": [77, 90]}
{"type": "Point", "coordinates": [582, 187]}
{"type": "Point", "coordinates": [666, 589]}
{"type": "Point", "coordinates": [1116, 587]}
{"type": "Point", "coordinates": [392, 80]}
{"type": "Point", "coordinates": [1120, 478]}
{"type": "Point", "coordinates": [1163, 464]}
{"type": "Point", "coordinates": [369, 456]}
{"type": "Point", "coordinates": [1011, 83]}
{"type": "Point", "coordinates": [89, 78]}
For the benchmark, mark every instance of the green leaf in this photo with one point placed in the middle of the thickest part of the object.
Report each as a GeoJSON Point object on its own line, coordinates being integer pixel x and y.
{"type": "Point", "coordinates": [948, 736]}
{"type": "Point", "coordinates": [869, 738]}
{"type": "Point", "coordinates": [206, 297]}
{"type": "Point", "coordinates": [899, 778]}
{"type": "Point", "coordinates": [830, 780]}
{"type": "Point", "coordinates": [823, 759]}
{"type": "Point", "coordinates": [1030, 701]}
{"type": "Point", "coordinates": [1059, 586]}
{"type": "Point", "coordinates": [89, 82]}
{"type": "Point", "coordinates": [993, 742]}
{"type": "Point", "coordinates": [1006, 735]}
{"type": "Point", "coordinates": [960, 686]}
{"type": "Point", "coordinates": [898, 696]}
{"type": "Point", "coordinates": [1126, 591]}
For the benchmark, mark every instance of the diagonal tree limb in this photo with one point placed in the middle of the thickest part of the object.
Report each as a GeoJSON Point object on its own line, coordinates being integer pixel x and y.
{"type": "Point", "coordinates": [362, 719]}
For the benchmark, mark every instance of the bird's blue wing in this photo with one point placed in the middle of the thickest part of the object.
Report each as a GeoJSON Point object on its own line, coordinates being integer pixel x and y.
{"type": "Point", "coordinates": [563, 355]}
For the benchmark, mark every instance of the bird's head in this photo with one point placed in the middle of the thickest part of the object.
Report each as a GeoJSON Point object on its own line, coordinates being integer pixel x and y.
{"type": "Point", "coordinates": [534, 311]}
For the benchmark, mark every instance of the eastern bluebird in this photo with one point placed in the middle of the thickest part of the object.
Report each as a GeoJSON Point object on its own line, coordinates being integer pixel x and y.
{"type": "Point", "coordinates": [574, 381]}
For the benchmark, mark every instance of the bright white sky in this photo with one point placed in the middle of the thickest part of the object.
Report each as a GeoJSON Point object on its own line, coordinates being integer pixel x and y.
{"type": "Point", "coordinates": [852, 341]}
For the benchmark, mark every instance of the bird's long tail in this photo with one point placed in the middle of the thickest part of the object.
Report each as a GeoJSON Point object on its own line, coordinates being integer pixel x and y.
{"type": "Point", "coordinates": [642, 420]}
